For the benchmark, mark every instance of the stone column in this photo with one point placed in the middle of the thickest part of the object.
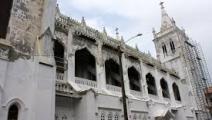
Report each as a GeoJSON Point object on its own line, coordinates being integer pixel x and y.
{"type": "Point", "coordinates": [171, 92]}
{"type": "Point", "coordinates": [100, 68]}
{"type": "Point", "coordinates": [143, 81]}
{"type": "Point", "coordinates": [157, 82]}
{"type": "Point", "coordinates": [125, 74]}
{"type": "Point", "coordinates": [70, 57]}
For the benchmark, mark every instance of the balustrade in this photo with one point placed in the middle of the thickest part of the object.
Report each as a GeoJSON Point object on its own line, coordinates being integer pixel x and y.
{"type": "Point", "coordinates": [86, 82]}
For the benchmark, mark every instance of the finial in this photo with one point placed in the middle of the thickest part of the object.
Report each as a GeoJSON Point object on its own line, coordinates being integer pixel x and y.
{"type": "Point", "coordinates": [83, 21]}
{"type": "Point", "coordinates": [104, 31]}
{"type": "Point", "coordinates": [117, 33]}
{"type": "Point", "coordinates": [161, 4]}
{"type": "Point", "coordinates": [153, 31]}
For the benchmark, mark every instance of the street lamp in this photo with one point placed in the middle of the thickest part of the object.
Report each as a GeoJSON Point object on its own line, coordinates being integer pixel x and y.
{"type": "Point", "coordinates": [124, 97]}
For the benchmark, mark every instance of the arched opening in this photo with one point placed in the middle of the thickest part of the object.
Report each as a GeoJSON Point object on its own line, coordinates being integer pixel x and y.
{"type": "Point", "coordinates": [172, 46]}
{"type": "Point", "coordinates": [59, 57]}
{"type": "Point", "coordinates": [152, 89]}
{"type": "Point", "coordinates": [164, 49]}
{"type": "Point", "coordinates": [85, 65]}
{"type": "Point", "coordinates": [134, 79]}
{"type": "Point", "coordinates": [165, 89]}
{"type": "Point", "coordinates": [113, 76]}
{"type": "Point", "coordinates": [13, 112]}
{"type": "Point", "coordinates": [176, 92]}
{"type": "Point", "coordinates": [5, 10]}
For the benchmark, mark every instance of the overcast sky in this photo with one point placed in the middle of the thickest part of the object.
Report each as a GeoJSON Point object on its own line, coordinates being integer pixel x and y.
{"type": "Point", "coordinates": [140, 16]}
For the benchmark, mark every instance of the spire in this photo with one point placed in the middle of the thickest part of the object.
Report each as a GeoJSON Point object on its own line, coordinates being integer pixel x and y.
{"type": "Point", "coordinates": [166, 21]}
{"type": "Point", "coordinates": [83, 21]}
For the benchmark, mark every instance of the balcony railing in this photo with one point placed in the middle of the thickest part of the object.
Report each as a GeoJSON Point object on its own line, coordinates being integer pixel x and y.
{"type": "Point", "coordinates": [85, 82]}
{"type": "Point", "coordinates": [60, 76]}
{"type": "Point", "coordinates": [63, 87]}
{"type": "Point", "coordinates": [136, 93]}
{"type": "Point", "coordinates": [113, 88]}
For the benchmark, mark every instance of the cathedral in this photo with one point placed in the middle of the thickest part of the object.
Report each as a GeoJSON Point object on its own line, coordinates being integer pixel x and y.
{"type": "Point", "coordinates": [53, 67]}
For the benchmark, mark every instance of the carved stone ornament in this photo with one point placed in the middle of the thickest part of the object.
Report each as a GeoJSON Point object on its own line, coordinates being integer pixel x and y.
{"type": "Point", "coordinates": [4, 53]}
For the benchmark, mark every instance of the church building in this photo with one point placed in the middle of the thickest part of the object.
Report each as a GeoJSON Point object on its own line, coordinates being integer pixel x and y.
{"type": "Point", "coordinates": [53, 67]}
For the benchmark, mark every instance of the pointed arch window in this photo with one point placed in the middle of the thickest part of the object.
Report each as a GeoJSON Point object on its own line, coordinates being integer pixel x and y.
{"type": "Point", "coordinates": [172, 46]}
{"type": "Point", "coordinates": [85, 65]}
{"type": "Point", "coordinates": [102, 116]}
{"type": "Point", "coordinates": [5, 11]}
{"type": "Point", "coordinates": [116, 116]}
{"type": "Point", "coordinates": [112, 71]}
{"type": "Point", "coordinates": [110, 116]}
{"type": "Point", "coordinates": [165, 89]}
{"type": "Point", "coordinates": [13, 112]}
{"type": "Point", "coordinates": [152, 89]}
{"type": "Point", "coordinates": [134, 78]}
{"type": "Point", "coordinates": [59, 56]}
{"type": "Point", "coordinates": [176, 92]}
{"type": "Point", "coordinates": [164, 49]}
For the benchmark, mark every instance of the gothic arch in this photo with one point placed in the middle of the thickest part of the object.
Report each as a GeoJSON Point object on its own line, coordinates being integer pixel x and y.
{"type": "Point", "coordinates": [165, 88]}
{"type": "Point", "coordinates": [164, 49]}
{"type": "Point", "coordinates": [150, 80]}
{"type": "Point", "coordinates": [176, 92]}
{"type": "Point", "coordinates": [172, 46]}
{"type": "Point", "coordinates": [85, 64]}
{"type": "Point", "coordinates": [59, 55]}
{"type": "Point", "coordinates": [5, 8]}
{"type": "Point", "coordinates": [134, 78]}
{"type": "Point", "coordinates": [19, 104]}
{"type": "Point", "coordinates": [112, 72]}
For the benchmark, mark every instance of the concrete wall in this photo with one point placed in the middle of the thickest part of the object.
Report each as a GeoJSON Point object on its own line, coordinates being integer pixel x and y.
{"type": "Point", "coordinates": [31, 85]}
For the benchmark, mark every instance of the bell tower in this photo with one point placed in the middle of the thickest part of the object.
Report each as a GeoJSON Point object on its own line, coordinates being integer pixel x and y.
{"type": "Point", "coordinates": [169, 42]}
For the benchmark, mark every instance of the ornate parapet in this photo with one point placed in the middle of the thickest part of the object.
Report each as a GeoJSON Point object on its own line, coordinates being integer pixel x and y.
{"type": "Point", "coordinates": [81, 29]}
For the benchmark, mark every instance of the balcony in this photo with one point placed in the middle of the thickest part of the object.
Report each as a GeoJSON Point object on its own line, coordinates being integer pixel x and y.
{"type": "Point", "coordinates": [62, 87]}
{"type": "Point", "coordinates": [85, 82]}
{"type": "Point", "coordinates": [59, 76]}
{"type": "Point", "coordinates": [136, 93]}
{"type": "Point", "coordinates": [113, 88]}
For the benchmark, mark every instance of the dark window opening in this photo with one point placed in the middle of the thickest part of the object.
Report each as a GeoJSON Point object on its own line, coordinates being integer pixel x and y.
{"type": "Point", "coordinates": [13, 113]}
{"type": "Point", "coordinates": [164, 50]}
{"type": "Point", "coordinates": [113, 76]}
{"type": "Point", "coordinates": [165, 89]}
{"type": "Point", "coordinates": [59, 57]}
{"type": "Point", "coordinates": [134, 79]}
{"type": "Point", "coordinates": [176, 92]}
{"type": "Point", "coordinates": [5, 10]}
{"type": "Point", "coordinates": [85, 65]}
{"type": "Point", "coordinates": [152, 89]}
{"type": "Point", "coordinates": [172, 46]}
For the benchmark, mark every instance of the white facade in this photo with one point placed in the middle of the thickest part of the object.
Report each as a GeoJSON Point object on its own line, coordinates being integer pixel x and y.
{"type": "Point", "coordinates": [55, 68]}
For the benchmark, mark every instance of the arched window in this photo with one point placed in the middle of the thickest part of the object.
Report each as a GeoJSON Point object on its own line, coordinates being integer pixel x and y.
{"type": "Point", "coordinates": [5, 10]}
{"type": "Point", "coordinates": [13, 112]}
{"type": "Point", "coordinates": [110, 116]}
{"type": "Point", "coordinates": [176, 92]}
{"type": "Point", "coordinates": [112, 73]}
{"type": "Point", "coordinates": [172, 46]}
{"type": "Point", "coordinates": [134, 117]}
{"type": "Point", "coordinates": [59, 56]}
{"type": "Point", "coordinates": [165, 89]}
{"type": "Point", "coordinates": [85, 65]}
{"type": "Point", "coordinates": [152, 89]}
{"type": "Point", "coordinates": [116, 116]}
{"type": "Point", "coordinates": [102, 116]}
{"type": "Point", "coordinates": [164, 49]}
{"type": "Point", "coordinates": [134, 78]}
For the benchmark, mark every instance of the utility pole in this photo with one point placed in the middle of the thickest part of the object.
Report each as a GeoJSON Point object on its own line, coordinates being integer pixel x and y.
{"type": "Point", "coordinates": [124, 97]}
